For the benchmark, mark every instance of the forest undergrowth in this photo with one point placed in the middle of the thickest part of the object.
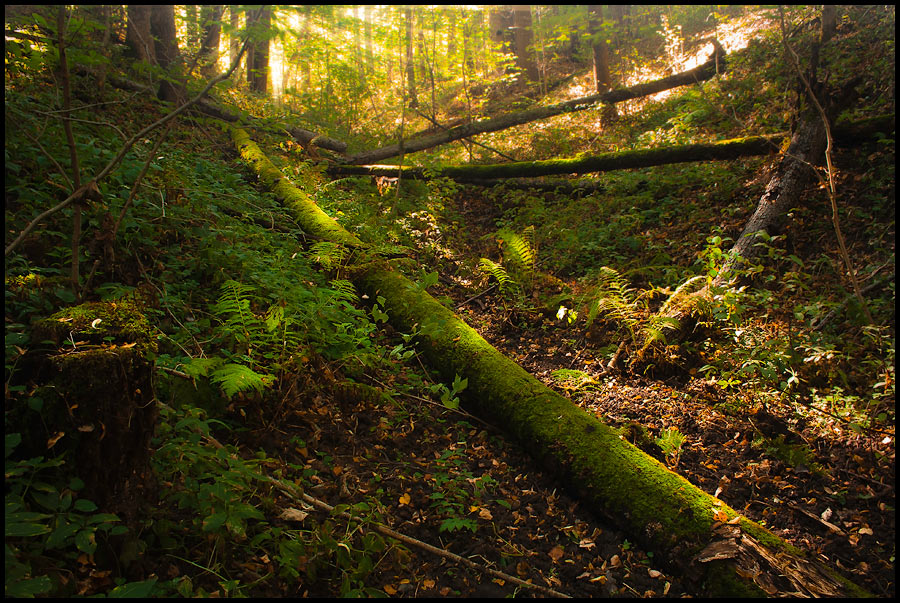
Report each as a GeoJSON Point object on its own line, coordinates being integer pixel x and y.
{"type": "Point", "coordinates": [274, 376]}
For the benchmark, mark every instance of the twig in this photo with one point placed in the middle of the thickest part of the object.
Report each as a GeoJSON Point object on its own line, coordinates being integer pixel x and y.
{"type": "Point", "coordinates": [484, 146]}
{"type": "Point", "coordinates": [474, 297]}
{"type": "Point", "coordinates": [433, 403]}
{"type": "Point", "coordinates": [291, 491]}
{"type": "Point", "coordinates": [166, 369]}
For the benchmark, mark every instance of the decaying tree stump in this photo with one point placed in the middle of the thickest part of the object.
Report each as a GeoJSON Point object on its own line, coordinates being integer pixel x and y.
{"type": "Point", "coordinates": [96, 398]}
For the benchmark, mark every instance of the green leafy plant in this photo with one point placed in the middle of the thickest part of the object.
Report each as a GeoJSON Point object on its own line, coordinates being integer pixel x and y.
{"type": "Point", "coordinates": [450, 396]}
{"type": "Point", "coordinates": [516, 274]}
{"type": "Point", "coordinates": [670, 440]}
{"type": "Point", "coordinates": [46, 520]}
{"type": "Point", "coordinates": [629, 309]}
{"type": "Point", "coordinates": [451, 497]}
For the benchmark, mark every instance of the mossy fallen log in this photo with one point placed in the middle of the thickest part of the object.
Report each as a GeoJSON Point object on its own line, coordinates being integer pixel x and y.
{"type": "Point", "coordinates": [715, 64]}
{"type": "Point", "coordinates": [723, 150]}
{"type": "Point", "coordinates": [603, 162]}
{"type": "Point", "coordinates": [692, 532]}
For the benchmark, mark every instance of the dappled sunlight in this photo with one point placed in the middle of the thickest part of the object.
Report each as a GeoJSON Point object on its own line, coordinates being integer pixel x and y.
{"type": "Point", "coordinates": [373, 297]}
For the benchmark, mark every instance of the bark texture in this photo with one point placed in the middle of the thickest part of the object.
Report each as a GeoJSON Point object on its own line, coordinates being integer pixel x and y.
{"type": "Point", "coordinates": [698, 74]}
{"type": "Point", "coordinates": [671, 516]}
{"type": "Point", "coordinates": [783, 191]}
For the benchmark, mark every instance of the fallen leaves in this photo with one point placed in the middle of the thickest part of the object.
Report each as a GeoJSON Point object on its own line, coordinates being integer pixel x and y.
{"type": "Point", "coordinates": [556, 553]}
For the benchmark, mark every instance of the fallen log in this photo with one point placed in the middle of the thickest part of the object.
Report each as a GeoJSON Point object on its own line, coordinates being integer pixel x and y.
{"type": "Point", "coordinates": [603, 162]}
{"type": "Point", "coordinates": [703, 72]}
{"type": "Point", "coordinates": [691, 531]}
{"type": "Point", "coordinates": [621, 160]}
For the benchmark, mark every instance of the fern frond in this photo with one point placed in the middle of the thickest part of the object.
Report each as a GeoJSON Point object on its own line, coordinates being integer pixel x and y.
{"type": "Point", "coordinates": [344, 290]}
{"type": "Point", "coordinates": [491, 268]}
{"type": "Point", "coordinates": [684, 290]}
{"type": "Point", "coordinates": [274, 317]}
{"type": "Point", "coordinates": [518, 250]}
{"type": "Point", "coordinates": [234, 378]}
{"type": "Point", "coordinates": [612, 301]}
{"type": "Point", "coordinates": [656, 328]}
{"type": "Point", "coordinates": [234, 300]}
{"type": "Point", "coordinates": [200, 367]}
{"type": "Point", "coordinates": [233, 309]}
{"type": "Point", "coordinates": [327, 254]}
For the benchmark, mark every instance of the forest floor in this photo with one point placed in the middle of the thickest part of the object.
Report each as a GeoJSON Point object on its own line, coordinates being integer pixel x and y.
{"type": "Point", "coordinates": [429, 466]}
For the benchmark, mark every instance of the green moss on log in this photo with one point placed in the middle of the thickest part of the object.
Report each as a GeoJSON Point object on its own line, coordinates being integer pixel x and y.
{"type": "Point", "coordinates": [650, 502]}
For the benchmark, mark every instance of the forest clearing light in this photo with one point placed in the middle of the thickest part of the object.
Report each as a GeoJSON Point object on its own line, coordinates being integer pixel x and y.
{"type": "Point", "coordinates": [733, 35]}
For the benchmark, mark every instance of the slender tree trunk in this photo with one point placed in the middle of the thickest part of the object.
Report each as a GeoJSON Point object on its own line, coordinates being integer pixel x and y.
{"type": "Point", "coordinates": [212, 31]}
{"type": "Point", "coordinates": [692, 532]}
{"type": "Point", "coordinates": [370, 55]}
{"type": "Point", "coordinates": [451, 36]}
{"type": "Point", "coordinates": [162, 26]}
{"type": "Point", "coordinates": [234, 43]}
{"type": "Point", "coordinates": [600, 58]}
{"type": "Point", "coordinates": [410, 64]}
{"type": "Point", "coordinates": [137, 34]}
{"type": "Point", "coordinates": [599, 50]}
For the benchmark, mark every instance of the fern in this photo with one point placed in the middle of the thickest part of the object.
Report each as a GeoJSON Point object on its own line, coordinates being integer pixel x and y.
{"type": "Point", "coordinates": [615, 301]}
{"type": "Point", "coordinates": [683, 292]}
{"type": "Point", "coordinates": [344, 290]}
{"type": "Point", "coordinates": [507, 284]}
{"type": "Point", "coordinates": [234, 306]}
{"type": "Point", "coordinates": [329, 255]}
{"type": "Point", "coordinates": [200, 367]}
{"type": "Point", "coordinates": [519, 252]}
{"type": "Point", "coordinates": [234, 378]}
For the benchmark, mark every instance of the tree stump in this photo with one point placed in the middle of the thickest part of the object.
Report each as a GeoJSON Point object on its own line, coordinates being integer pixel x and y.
{"type": "Point", "coordinates": [94, 394]}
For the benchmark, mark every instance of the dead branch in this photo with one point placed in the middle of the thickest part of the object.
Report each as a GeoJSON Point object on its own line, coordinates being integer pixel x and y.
{"type": "Point", "coordinates": [292, 492]}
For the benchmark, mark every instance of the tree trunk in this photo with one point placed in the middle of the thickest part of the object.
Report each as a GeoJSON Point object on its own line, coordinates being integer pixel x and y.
{"type": "Point", "coordinates": [692, 532]}
{"type": "Point", "coordinates": [410, 65]}
{"type": "Point", "coordinates": [522, 40]}
{"type": "Point", "coordinates": [701, 73]}
{"type": "Point", "coordinates": [785, 190]}
{"type": "Point", "coordinates": [210, 17]}
{"type": "Point", "coordinates": [605, 162]}
{"type": "Point", "coordinates": [599, 50]}
{"type": "Point", "coordinates": [234, 42]}
{"type": "Point", "coordinates": [258, 60]}
{"type": "Point", "coordinates": [370, 55]}
{"type": "Point", "coordinates": [600, 59]}
{"type": "Point", "coordinates": [162, 26]}
{"type": "Point", "coordinates": [137, 34]}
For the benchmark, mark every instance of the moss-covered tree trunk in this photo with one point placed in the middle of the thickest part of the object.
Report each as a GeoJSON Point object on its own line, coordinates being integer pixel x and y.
{"type": "Point", "coordinates": [604, 162]}
{"type": "Point", "coordinates": [622, 160]}
{"type": "Point", "coordinates": [690, 530]}
{"type": "Point", "coordinates": [698, 74]}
